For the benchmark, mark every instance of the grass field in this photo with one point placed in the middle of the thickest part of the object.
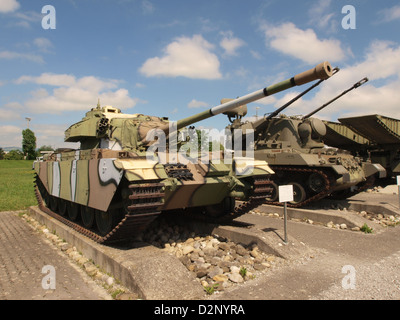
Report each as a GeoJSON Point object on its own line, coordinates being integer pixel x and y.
{"type": "Point", "coordinates": [16, 185]}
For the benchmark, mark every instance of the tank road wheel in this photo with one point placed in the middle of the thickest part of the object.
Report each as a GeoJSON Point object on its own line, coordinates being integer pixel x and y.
{"type": "Point", "coordinates": [73, 210]}
{"type": "Point", "coordinates": [62, 207]}
{"type": "Point", "coordinates": [316, 182]}
{"type": "Point", "coordinates": [274, 193]}
{"type": "Point", "coordinates": [299, 194]}
{"type": "Point", "coordinates": [106, 221]}
{"type": "Point", "coordinates": [87, 215]}
{"type": "Point", "coordinates": [221, 209]}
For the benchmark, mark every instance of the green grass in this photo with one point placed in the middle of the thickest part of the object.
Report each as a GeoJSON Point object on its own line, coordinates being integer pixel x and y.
{"type": "Point", "coordinates": [16, 185]}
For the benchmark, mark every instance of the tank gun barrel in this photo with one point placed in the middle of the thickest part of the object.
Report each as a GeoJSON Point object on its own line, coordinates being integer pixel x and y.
{"type": "Point", "coordinates": [322, 71]}
{"type": "Point", "coordinates": [278, 111]}
{"type": "Point", "coordinates": [355, 86]}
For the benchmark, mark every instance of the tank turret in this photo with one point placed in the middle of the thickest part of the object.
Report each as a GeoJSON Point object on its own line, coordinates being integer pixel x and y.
{"type": "Point", "coordinates": [116, 190]}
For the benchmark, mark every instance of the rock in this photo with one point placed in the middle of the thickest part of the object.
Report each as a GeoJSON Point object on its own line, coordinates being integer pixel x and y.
{"type": "Point", "coordinates": [65, 246]}
{"type": "Point", "coordinates": [215, 260]}
{"type": "Point", "coordinates": [259, 266]}
{"type": "Point", "coordinates": [220, 278]}
{"type": "Point", "coordinates": [224, 246]}
{"type": "Point", "coordinates": [210, 251]}
{"type": "Point", "coordinates": [355, 229]}
{"type": "Point", "coordinates": [196, 245]}
{"type": "Point", "coordinates": [271, 258]}
{"type": "Point", "coordinates": [204, 283]}
{"type": "Point", "coordinates": [110, 281]}
{"type": "Point", "coordinates": [235, 269]}
{"type": "Point", "coordinates": [185, 260]}
{"type": "Point", "coordinates": [178, 253]}
{"type": "Point", "coordinates": [201, 273]}
{"type": "Point", "coordinates": [187, 249]}
{"type": "Point", "coordinates": [90, 269]}
{"type": "Point", "coordinates": [343, 226]}
{"type": "Point", "coordinates": [235, 277]}
{"type": "Point", "coordinates": [215, 271]}
{"type": "Point", "coordinates": [255, 253]}
{"type": "Point", "coordinates": [240, 250]}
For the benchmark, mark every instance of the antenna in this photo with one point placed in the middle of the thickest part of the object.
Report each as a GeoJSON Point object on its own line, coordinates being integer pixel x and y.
{"type": "Point", "coordinates": [27, 121]}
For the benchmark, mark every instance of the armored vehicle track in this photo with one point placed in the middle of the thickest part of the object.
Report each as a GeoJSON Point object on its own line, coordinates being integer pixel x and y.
{"type": "Point", "coordinates": [145, 199]}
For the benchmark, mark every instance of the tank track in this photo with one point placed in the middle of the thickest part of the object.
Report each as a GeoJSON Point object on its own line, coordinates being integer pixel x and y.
{"type": "Point", "coordinates": [262, 189]}
{"type": "Point", "coordinates": [361, 187]}
{"type": "Point", "coordinates": [292, 170]}
{"type": "Point", "coordinates": [145, 199]}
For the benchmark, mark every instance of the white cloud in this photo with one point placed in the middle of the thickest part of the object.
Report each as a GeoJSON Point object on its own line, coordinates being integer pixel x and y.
{"type": "Point", "coordinates": [390, 14]}
{"type": "Point", "coordinates": [147, 7]}
{"type": "Point", "coordinates": [197, 104]}
{"type": "Point", "coordinates": [71, 93]}
{"type": "Point", "coordinates": [8, 6]}
{"type": "Point", "coordinates": [303, 44]}
{"type": "Point", "coordinates": [11, 111]}
{"type": "Point", "coordinates": [321, 15]}
{"type": "Point", "coordinates": [43, 44]}
{"type": "Point", "coordinates": [10, 129]}
{"type": "Point", "coordinates": [231, 44]}
{"type": "Point", "coordinates": [11, 136]}
{"type": "Point", "coordinates": [186, 57]}
{"type": "Point", "coordinates": [381, 95]}
{"type": "Point", "coordinates": [28, 18]}
{"type": "Point", "coordinates": [49, 79]}
{"type": "Point", "coordinates": [10, 55]}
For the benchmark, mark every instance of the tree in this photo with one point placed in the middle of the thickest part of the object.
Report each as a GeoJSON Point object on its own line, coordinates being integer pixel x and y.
{"type": "Point", "coordinates": [2, 153]}
{"type": "Point", "coordinates": [14, 155]}
{"type": "Point", "coordinates": [29, 144]}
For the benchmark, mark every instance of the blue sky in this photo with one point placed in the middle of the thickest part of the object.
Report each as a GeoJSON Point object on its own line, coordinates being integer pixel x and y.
{"type": "Point", "coordinates": [176, 58]}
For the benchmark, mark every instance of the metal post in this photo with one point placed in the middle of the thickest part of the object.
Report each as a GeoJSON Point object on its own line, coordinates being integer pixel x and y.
{"type": "Point", "coordinates": [398, 191]}
{"type": "Point", "coordinates": [285, 195]}
{"type": "Point", "coordinates": [285, 221]}
{"type": "Point", "coordinates": [398, 188]}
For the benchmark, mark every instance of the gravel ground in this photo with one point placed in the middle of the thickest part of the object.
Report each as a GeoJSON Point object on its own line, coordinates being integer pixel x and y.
{"type": "Point", "coordinates": [376, 281]}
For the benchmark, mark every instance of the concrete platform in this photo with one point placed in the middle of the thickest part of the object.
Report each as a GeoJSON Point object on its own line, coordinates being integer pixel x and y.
{"type": "Point", "coordinates": [150, 272]}
{"type": "Point", "coordinates": [154, 274]}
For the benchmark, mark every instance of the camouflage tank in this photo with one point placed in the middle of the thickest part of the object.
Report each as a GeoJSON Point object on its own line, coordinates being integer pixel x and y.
{"type": "Point", "coordinates": [372, 137]}
{"type": "Point", "coordinates": [125, 174]}
{"type": "Point", "coordinates": [295, 150]}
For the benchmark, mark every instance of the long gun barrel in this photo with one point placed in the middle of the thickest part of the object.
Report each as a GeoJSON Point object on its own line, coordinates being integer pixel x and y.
{"type": "Point", "coordinates": [322, 71]}
{"type": "Point", "coordinates": [278, 111]}
{"type": "Point", "coordinates": [355, 86]}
